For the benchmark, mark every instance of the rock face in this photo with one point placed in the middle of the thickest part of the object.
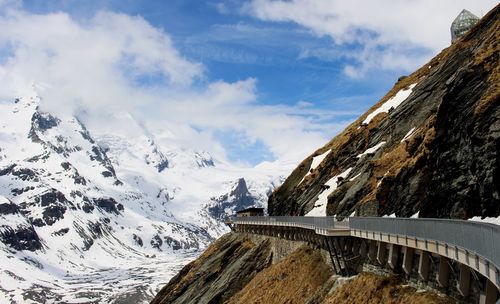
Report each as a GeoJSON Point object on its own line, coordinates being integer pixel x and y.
{"type": "Point", "coordinates": [431, 145]}
{"type": "Point", "coordinates": [22, 238]}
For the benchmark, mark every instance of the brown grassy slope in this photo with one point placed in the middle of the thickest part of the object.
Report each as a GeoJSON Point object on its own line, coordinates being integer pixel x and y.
{"type": "Point", "coordinates": [294, 280]}
{"type": "Point", "coordinates": [488, 57]}
{"type": "Point", "coordinates": [369, 288]}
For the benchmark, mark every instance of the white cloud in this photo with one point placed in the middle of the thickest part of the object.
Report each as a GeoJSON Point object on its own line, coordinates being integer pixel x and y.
{"type": "Point", "coordinates": [92, 62]}
{"type": "Point", "coordinates": [393, 34]}
{"type": "Point", "coordinates": [105, 65]}
{"type": "Point", "coordinates": [232, 107]}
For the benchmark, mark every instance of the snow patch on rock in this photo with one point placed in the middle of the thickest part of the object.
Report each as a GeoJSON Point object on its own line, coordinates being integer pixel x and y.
{"type": "Point", "coordinates": [317, 160]}
{"type": "Point", "coordinates": [372, 149]}
{"type": "Point", "coordinates": [408, 135]}
{"type": "Point", "coordinates": [392, 103]}
{"type": "Point", "coordinates": [319, 208]}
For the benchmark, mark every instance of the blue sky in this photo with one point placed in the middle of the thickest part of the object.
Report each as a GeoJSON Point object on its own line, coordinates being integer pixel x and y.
{"type": "Point", "coordinates": [234, 46]}
{"type": "Point", "coordinates": [321, 63]}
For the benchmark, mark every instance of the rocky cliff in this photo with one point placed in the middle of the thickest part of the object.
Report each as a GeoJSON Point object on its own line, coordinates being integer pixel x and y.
{"type": "Point", "coordinates": [429, 147]}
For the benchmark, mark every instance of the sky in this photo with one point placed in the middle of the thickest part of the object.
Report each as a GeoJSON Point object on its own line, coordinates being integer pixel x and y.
{"type": "Point", "coordinates": [249, 81]}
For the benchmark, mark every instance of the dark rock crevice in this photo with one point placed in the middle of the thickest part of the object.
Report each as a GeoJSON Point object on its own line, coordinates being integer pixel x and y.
{"type": "Point", "coordinates": [21, 238]}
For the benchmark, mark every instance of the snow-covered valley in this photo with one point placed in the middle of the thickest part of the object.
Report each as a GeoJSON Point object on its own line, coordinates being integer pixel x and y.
{"type": "Point", "coordinates": [90, 216]}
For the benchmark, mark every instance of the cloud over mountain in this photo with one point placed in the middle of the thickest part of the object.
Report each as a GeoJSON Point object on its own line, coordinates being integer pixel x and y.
{"type": "Point", "coordinates": [115, 62]}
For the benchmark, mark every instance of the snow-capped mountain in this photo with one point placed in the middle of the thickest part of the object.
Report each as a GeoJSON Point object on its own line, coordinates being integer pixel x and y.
{"type": "Point", "coordinates": [100, 216]}
{"type": "Point", "coordinates": [240, 195]}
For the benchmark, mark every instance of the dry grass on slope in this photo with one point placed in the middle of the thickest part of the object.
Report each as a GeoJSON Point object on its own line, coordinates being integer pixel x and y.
{"type": "Point", "coordinates": [488, 58]}
{"type": "Point", "coordinates": [296, 279]}
{"type": "Point", "coordinates": [371, 289]}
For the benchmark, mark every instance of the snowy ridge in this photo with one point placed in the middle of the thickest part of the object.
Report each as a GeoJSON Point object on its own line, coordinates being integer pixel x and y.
{"type": "Point", "coordinates": [94, 217]}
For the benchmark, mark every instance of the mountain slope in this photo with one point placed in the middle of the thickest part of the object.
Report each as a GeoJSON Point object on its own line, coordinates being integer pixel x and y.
{"type": "Point", "coordinates": [431, 145]}
{"type": "Point", "coordinates": [83, 210]}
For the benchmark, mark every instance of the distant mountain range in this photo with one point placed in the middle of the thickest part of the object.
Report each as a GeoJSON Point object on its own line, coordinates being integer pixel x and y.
{"type": "Point", "coordinates": [94, 216]}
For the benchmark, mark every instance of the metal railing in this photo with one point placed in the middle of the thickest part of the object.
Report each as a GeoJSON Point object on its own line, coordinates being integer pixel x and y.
{"type": "Point", "coordinates": [480, 238]}
{"type": "Point", "coordinates": [314, 222]}
{"type": "Point", "coordinates": [475, 237]}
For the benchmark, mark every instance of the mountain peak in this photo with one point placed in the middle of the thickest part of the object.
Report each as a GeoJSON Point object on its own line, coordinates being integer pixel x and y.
{"type": "Point", "coordinates": [240, 190]}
